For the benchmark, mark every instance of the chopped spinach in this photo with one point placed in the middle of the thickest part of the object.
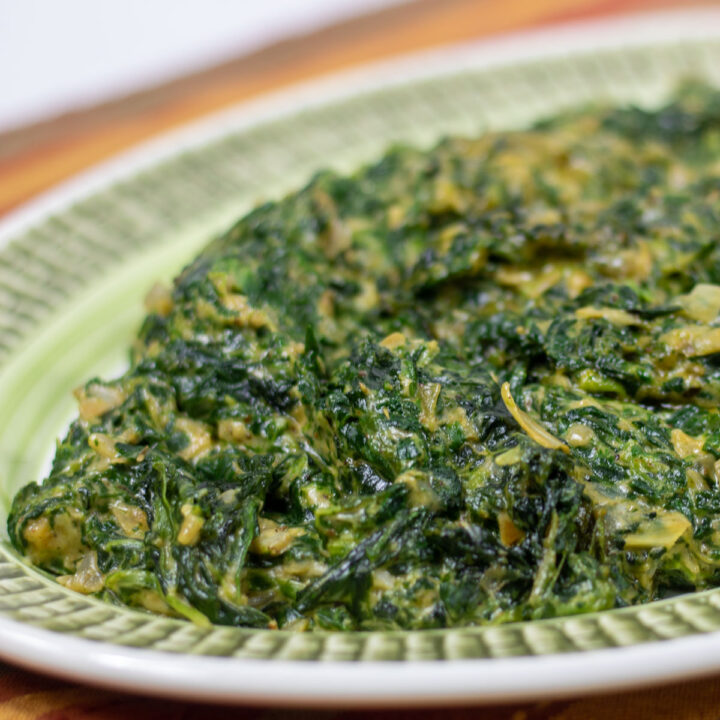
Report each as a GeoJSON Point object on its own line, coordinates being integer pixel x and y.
{"type": "Point", "coordinates": [476, 384]}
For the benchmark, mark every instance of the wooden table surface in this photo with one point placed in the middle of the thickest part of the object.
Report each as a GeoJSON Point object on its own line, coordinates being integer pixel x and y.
{"type": "Point", "coordinates": [34, 158]}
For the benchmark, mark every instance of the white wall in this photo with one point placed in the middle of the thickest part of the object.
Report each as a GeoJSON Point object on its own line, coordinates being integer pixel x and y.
{"type": "Point", "coordinates": [60, 54]}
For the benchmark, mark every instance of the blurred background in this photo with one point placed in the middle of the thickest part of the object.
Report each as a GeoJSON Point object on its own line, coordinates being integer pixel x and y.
{"type": "Point", "coordinates": [81, 80]}
{"type": "Point", "coordinates": [60, 55]}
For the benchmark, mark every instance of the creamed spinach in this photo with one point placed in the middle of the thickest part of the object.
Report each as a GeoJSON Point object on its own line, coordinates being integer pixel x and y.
{"type": "Point", "coordinates": [469, 385]}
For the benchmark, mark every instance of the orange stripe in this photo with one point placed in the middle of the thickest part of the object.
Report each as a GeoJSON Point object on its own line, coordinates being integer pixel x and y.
{"type": "Point", "coordinates": [32, 706]}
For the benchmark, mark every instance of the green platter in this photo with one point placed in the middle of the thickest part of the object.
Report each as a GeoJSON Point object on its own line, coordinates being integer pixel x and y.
{"type": "Point", "coordinates": [72, 283]}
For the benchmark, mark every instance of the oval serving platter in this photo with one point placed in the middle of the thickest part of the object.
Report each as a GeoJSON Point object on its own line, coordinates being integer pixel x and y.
{"type": "Point", "coordinates": [74, 269]}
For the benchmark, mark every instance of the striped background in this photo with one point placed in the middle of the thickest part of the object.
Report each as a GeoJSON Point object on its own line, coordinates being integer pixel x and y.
{"type": "Point", "coordinates": [35, 158]}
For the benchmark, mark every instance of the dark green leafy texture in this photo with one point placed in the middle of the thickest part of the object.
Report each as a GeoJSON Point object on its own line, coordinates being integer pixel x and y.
{"type": "Point", "coordinates": [472, 385]}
